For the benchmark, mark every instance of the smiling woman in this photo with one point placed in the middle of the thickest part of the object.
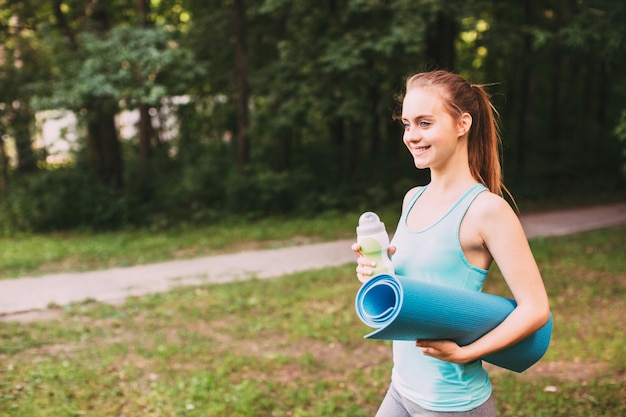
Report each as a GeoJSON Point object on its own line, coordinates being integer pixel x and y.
{"type": "Point", "coordinates": [449, 233]}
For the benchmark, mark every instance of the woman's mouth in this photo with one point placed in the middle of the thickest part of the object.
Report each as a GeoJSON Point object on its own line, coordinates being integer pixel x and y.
{"type": "Point", "coordinates": [419, 150]}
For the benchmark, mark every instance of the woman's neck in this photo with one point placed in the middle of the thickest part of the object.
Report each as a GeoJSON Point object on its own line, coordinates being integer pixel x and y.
{"type": "Point", "coordinates": [452, 179]}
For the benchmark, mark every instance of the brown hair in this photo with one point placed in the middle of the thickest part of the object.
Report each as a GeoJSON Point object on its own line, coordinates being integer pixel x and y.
{"type": "Point", "coordinates": [460, 97]}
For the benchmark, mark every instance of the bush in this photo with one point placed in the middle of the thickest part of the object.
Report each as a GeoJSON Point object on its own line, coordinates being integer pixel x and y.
{"type": "Point", "coordinates": [60, 199]}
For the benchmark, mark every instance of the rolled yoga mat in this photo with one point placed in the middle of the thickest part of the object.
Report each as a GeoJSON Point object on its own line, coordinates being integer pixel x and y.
{"type": "Point", "coordinates": [400, 308]}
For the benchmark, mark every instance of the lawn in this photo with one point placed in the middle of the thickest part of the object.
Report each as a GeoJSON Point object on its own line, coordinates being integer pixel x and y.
{"type": "Point", "coordinates": [74, 251]}
{"type": "Point", "coordinates": [39, 254]}
{"type": "Point", "coordinates": [293, 346]}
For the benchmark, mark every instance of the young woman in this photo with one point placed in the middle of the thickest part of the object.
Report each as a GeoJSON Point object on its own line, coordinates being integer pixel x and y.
{"type": "Point", "coordinates": [449, 232]}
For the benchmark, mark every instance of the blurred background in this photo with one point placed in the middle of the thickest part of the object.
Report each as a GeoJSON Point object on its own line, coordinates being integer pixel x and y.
{"type": "Point", "coordinates": [123, 113]}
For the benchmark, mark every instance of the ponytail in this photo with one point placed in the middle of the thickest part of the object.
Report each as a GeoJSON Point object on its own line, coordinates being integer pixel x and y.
{"type": "Point", "coordinates": [484, 142]}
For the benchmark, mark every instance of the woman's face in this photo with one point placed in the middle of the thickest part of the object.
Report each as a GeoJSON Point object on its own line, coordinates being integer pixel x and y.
{"type": "Point", "coordinates": [430, 133]}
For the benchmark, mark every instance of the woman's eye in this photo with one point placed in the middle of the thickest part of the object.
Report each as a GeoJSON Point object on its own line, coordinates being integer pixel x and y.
{"type": "Point", "coordinates": [424, 123]}
{"type": "Point", "coordinates": [406, 126]}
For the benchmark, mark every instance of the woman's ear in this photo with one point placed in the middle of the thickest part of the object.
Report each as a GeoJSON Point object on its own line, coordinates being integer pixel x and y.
{"type": "Point", "coordinates": [465, 123]}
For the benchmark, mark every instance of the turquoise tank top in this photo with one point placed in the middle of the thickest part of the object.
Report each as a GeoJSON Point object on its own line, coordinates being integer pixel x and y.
{"type": "Point", "coordinates": [434, 254]}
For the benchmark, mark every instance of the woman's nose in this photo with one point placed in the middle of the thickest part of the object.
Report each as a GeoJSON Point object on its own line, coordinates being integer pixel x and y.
{"type": "Point", "coordinates": [411, 135]}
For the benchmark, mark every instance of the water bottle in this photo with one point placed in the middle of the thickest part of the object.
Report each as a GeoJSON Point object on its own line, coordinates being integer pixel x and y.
{"type": "Point", "coordinates": [374, 242]}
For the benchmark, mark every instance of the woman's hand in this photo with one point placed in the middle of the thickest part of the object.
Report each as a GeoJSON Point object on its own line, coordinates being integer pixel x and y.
{"type": "Point", "coordinates": [445, 350]}
{"type": "Point", "coordinates": [365, 266]}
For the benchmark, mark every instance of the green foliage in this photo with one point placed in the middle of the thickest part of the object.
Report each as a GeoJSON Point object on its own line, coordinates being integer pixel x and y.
{"type": "Point", "coordinates": [135, 65]}
{"type": "Point", "coordinates": [323, 79]}
{"type": "Point", "coordinates": [66, 198]}
{"type": "Point", "coordinates": [61, 199]}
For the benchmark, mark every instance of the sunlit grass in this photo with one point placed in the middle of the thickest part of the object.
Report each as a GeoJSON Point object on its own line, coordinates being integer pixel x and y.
{"type": "Point", "coordinates": [293, 346]}
{"type": "Point", "coordinates": [38, 254]}
{"type": "Point", "coordinates": [75, 251]}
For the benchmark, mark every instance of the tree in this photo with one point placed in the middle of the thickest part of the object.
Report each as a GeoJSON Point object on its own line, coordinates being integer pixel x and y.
{"type": "Point", "coordinates": [307, 90]}
{"type": "Point", "coordinates": [20, 63]}
{"type": "Point", "coordinates": [146, 132]}
{"type": "Point", "coordinates": [441, 35]}
{"type": "Point", "coordinates": [135, 65]}
{"type": "Point", "coordinates": [241, 74]}
{"type": "Point", "coordinates": [331, 82]}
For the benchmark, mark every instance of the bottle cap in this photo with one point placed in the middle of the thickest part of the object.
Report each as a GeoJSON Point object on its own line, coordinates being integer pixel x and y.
{"type": "Point", "coordinates": [369, 223]}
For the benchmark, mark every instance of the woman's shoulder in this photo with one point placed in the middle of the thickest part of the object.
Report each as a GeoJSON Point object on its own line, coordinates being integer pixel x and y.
{"type": "Point", "coordinates": [492, 208]}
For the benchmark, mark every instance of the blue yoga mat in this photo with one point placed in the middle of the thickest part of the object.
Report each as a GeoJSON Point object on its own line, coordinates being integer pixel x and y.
{"type": "Point", "coordinates": [400, 308]}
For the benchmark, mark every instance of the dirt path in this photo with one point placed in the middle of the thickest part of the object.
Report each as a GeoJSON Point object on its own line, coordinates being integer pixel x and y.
{"type": "Point", "coordinates": [29, 297]}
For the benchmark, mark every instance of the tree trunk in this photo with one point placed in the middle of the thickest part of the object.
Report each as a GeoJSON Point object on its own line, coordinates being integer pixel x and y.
{"type": "Point", "coordinates": [4, 166]}
{"type": "Point", "coordinates": [241, 74]}
{"type": "Point", "coordinates": [104, 144]}
{"type": "Point", "coordinates": [283, 148]}
{"type": "Point", "coordinates": [526, 87]}
{"type": "Point", "coordinates": [338, 137]}
{"type": "Point", "coordinates": [63, 25]}
{"type": "Point", "coordinates": [22, 119]}
{"type": "Point", "coordinates": [555, 131]}
{"type": "Point", "coordinates": [375, 130]}
{"type": "Point", "coordinates": [26, 158]}
{"type": "Point", "coordinates": [440, 37]}
{"type": "Point", "coordinates": [143, 9]}
{"type": "Point", "coordinates": [105, 147]}
{"type": "Point", "coordinates": [146, 132]}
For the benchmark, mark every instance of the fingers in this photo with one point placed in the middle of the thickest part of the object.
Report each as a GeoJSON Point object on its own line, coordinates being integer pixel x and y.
{"type": "Point", "coordinates": [362, 260]}
{"type": "Point", "coordinates": [356, 248]}
{"type": "Point", "coordinates": [427, 347]}
{"type": "Point", "coordinates": [365, 267]}
{"type": "Point", "coordinates": [364, 273]}
{"type": "Point", "coordinates": [364, 270]}
{"type": "Point", "coordinates": [445, 350]}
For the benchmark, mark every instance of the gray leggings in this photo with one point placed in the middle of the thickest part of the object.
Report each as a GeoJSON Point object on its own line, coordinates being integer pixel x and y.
{"type": "Point", "coordinates": [394, 405]}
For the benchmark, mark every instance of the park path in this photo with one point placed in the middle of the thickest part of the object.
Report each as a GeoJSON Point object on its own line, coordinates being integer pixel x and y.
{"type": "Point", "coordinates": [26, 297]}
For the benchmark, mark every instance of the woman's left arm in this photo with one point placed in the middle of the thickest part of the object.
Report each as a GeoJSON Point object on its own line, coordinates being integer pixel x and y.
{"type": "Point", "coordinates": [503, 236]}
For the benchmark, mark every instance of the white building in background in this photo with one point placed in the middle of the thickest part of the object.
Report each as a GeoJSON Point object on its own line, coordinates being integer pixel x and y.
{"type": "Point", "coordinates": [57, 134]}
{"type": "Point", "coordinates": [58, 130]}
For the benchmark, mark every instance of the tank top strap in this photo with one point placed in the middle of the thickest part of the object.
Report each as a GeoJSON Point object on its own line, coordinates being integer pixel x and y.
{"type": "Point", "coordinates": [457, 213]}
{"type": "Point", "coordinates": [411, 203]}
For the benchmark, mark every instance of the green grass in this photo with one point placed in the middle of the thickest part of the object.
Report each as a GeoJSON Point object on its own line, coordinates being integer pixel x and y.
{"type": "Point", "coordinates": [33, 255]}
{"type": "Point", "coordinates": [293, 346]}
{"type": "Point", "coordinates": [39, 254]}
